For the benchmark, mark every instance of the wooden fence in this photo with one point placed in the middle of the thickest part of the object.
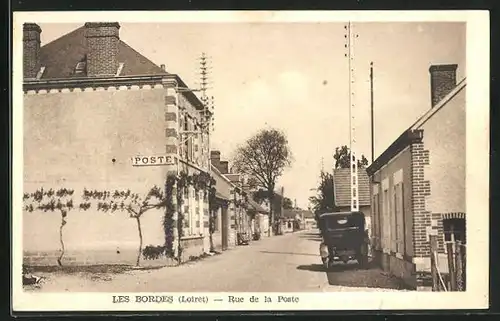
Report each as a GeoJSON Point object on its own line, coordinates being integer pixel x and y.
{"type": "Point", "coordinates": [455, 279]}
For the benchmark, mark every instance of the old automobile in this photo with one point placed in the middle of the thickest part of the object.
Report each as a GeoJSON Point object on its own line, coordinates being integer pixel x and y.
{"type": "Point", "coordinates": [343, 238]}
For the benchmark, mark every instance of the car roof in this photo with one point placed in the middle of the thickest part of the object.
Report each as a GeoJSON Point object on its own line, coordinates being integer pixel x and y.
{"type": "Point", "coordinates": [339, 213]}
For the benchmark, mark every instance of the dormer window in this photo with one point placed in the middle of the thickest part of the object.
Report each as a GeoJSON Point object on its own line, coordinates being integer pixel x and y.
{"type": "Point", "coordinates": [81, 68]}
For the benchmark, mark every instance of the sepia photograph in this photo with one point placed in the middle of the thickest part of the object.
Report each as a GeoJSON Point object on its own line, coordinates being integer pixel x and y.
{"type": "Point", "coordinates": [206, 161]}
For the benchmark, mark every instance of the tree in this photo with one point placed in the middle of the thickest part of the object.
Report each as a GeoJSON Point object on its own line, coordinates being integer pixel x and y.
{"type": "Point", "coordinates": [264, 157]}
{"type": "Point", "coordinates": [51, 201]}
{"type": "Point", "coordinates": [132, 203]}
{"type": "Point", "coordinates": [287, 204]}
{"type": "Point", "coordinates": [343, 158]}
{"type": "Point", "coordinates": [324, 201]}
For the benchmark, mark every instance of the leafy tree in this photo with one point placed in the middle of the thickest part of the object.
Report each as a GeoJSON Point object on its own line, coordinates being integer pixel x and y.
{"type": "Point", "coordinates": [132, 203]}
{"type": "Point", "coordinates": [324, 201]}
{"type": "Point", "coordinates": [264, 157]}
{"type": "Point", "coordinates": [288, 204]}
{"type": "Point", "coordinates": [342, 158]}
{"type": "Point", "coordinates": [50, 201]}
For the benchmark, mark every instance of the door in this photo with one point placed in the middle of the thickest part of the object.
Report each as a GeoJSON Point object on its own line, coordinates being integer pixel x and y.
{"type": "Point", "coordinates": [224, 227]}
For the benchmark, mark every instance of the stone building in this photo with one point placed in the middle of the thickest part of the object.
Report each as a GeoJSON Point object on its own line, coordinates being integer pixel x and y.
{"type": "Point", "coordinates": [418, 184]}
{"type": "Point", "coordinates": [99, 116]}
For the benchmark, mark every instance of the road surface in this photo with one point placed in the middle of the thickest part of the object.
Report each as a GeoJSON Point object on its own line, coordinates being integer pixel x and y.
{"type": "Point", "coordinates": [287, 263]}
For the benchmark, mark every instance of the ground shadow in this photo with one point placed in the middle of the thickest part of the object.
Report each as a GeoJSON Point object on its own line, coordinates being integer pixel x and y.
{"type": "Point", "coordinates": [312, 268]}
{"type": "Point", "coordinates": [288, 253]}
{"type": "Point", "coordinates": [353, 275]}
{"type": "Point", "coordinates": [311, 238]}
{"type": "Point", "coordinates": [98, 268]}
{"type": "Point", "coordinates": [310, 234]}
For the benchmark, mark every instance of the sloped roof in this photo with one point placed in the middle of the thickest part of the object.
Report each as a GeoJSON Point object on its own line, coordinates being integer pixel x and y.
{"type": "Point", "coordinates": [256, 206]}
{"type": "Point", "coordinates": [342, 187]}
{"type": "Point", "coordinates": [60, 57]}
{"type": "Point", "coordinates": [414, 132]}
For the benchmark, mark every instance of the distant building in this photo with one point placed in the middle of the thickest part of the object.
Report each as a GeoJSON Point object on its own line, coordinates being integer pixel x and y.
{"type": "Point", "coordinates": [297, 219]}
{"type": "Point", "coordinates": [260, 217]}
{"type": "Point", "coordinates": [238, 221]}
{"type": "Point", "coordinates": [342, 191]}
{"type": "Point", "coordinates": [418, 183]}
{"type": "Point", "coordinates": [98, 115]}
{"type": "Point", "coordinates": [309, 220]}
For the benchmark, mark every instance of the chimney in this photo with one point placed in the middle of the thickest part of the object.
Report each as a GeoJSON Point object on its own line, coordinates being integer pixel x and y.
{"type": "Point", "coordinates": [102, 44]}
{"type": "Point", "coordinates": [162, 67]}
{"type": "Point", "coordinates": [215, 158]}
{"type": "Point", "coordinates": [31, 49]}
{"type": "Point", "coordinates": [224, 167]}
{"type": "Point", "coordinates": [443, 81]}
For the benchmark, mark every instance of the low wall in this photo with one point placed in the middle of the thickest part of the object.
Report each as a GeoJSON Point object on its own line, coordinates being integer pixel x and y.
{"type": "Point", "coordinates": [398, 267]}
{"type": "Point", "coordinates": [192, 246]}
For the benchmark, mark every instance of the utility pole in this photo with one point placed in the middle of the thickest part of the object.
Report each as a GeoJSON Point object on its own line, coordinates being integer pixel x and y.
{"type": "Point", "coordinates": [371, 108]}
{"type": "Point", "coordinates": [350, 37]}
{"type": "Point", "coordinates": [208, 103]}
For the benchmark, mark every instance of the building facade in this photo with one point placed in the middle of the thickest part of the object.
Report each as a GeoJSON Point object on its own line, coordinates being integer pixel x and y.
{"type": "Point", "coordinates": [418, 184]}
{"type": "Point", "coordinates": [260, 217]}
{"type": "Point", "coordinates": [100, 117]}
{"type": "Point", "coordinates": [239, 221]}
{"type": "Point", "coordinates": [342, 192]}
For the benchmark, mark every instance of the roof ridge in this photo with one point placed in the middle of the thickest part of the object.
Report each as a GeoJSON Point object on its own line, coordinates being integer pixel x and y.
{"type": "Point", "coordinates": [429, 113]}
{"type": "Point", "coordinates": [140, 54]}
{"type": "Point", "coordinates": [63, 36]}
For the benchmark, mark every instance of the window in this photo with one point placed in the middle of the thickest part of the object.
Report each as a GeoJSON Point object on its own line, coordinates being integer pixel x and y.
{"type": "Point", "coordinates": [386, 220]}
{"type": "Point", "coordinates": [399, 218]}
{"type": "Point", "coordinates": [454, 230]}
{"type": "Point", "coordinates": [394, 220]}
{"type": "Point", "coordinates": [376, 219]}
{"type": "Point", "coordinates": [81, 67]}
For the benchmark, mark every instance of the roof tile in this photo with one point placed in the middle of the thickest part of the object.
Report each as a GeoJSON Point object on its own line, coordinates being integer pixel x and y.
{"type": "Point", "coordinates": [342, 184]}
{"type": "Point", "coordinates": [61, 56]}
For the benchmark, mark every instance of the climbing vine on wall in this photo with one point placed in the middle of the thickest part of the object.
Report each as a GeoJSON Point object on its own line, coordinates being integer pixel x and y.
{"type": "Point", "coordinates": [50, 201]}
{"type": "Point", "coordinates": [135, 205]}
{"type": "Point", "coordinates": [132, 203]}
{"type": "Point", "coordinates": [201, 182]}
{"type": "Point", "coordinates": [168, 219]}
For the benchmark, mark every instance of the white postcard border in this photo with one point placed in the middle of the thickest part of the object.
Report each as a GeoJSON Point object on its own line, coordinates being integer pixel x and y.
{"type": "Point", "coordinates": [477, 176]}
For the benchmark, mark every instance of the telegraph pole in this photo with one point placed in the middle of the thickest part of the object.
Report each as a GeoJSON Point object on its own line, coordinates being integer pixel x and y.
{"type": "Point", "coordinates": [350, 37]}
{"type": "Point", "coordinates": [208, 102]}
{"type": "Point", "coordinates": [371, 109]}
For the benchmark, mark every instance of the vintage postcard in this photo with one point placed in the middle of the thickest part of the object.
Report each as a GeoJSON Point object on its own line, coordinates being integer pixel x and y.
{"type": "Point", "coordinates": [200, 161]}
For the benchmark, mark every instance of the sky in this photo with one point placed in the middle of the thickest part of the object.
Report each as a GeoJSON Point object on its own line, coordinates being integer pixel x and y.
{"type": "Point", "coordinates": [294, 77]}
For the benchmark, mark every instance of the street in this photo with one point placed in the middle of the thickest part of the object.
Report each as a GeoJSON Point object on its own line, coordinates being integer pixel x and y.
{"type": "Point", "coordinates": [287, 263]}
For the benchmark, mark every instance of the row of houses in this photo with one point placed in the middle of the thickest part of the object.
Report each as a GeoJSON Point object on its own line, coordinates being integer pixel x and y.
{"type": "Point", "coordinates": [104, 122]}
{"type": "Point", "coordinates": [416, 187]}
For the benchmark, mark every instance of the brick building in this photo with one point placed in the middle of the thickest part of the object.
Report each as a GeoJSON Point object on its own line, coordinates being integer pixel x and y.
{"type": "Point", "coordinates": [98, 115]}
{"type": "Point", "coordinates": [418, 183]}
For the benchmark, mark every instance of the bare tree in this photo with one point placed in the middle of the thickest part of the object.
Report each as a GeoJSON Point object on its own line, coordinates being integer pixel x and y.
{"type": "Point", "coordinates": [264, 157]}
